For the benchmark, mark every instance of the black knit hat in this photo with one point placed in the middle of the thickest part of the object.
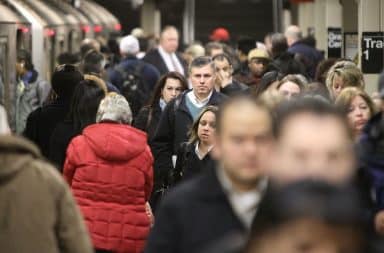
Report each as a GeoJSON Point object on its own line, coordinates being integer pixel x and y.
{"type": "Point", "coordinates": [64, 80]}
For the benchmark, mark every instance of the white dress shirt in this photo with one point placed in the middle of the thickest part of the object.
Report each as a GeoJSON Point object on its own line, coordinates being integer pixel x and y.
{"type": "Point", "coordinates": [196, 101]}
{"type": "Point", "coordinates": [170, 62]}
{"type": "Point", "coordinates": [244, 204]}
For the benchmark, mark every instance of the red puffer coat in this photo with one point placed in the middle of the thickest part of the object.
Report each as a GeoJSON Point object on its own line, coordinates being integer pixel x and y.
{"type": "Point", "coordinates": [109, 168]}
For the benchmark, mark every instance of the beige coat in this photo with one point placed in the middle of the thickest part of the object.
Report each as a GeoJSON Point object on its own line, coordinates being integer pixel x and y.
{"type": "Point", "coordinates": [37, 211]}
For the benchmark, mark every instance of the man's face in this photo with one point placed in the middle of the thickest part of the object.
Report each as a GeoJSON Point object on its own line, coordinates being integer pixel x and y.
{"type": "Point", "coordinates": [223, 69]}
{"type": "Point", "coordinates": [20, 68]}
{"type": "Point", "coordinates": [257, 67]}
{"type": "Point", "coordinates": [202, 79]}
{"type": "Point", "coordinates": [312, 146]}
{"type": "Point", "coordinates": [244, 143]}
{"type": "Point", "coordinates": [169, 40]}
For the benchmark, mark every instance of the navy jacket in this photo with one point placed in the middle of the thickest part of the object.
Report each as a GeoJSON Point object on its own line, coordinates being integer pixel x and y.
{"type": "Point", "coordinates": [149, 73]}
{"type": "Point", "coordinates": [309, 56]}
{"type": "Point", "coordinates": [195, 216]}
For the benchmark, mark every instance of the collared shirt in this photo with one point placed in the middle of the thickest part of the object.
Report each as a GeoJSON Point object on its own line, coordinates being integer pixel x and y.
{"type": "Point", "coordinates": [198, 153]}
{"type": "Point", "coordinates": [170, 60]}
{"type": "Point", "coordinates": [244, 204]}
{"type": "Point", "coordinates": [197, 102]}
{"type": "Point", "coordinates": [162, 104]}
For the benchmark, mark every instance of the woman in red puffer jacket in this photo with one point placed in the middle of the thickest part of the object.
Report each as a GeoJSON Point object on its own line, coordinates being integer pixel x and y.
{"type": "Point", "coordinates": [109, 168]}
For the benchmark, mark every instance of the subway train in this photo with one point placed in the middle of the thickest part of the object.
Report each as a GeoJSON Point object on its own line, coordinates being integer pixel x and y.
{"type": "Point", "coordinates": [46, 28]}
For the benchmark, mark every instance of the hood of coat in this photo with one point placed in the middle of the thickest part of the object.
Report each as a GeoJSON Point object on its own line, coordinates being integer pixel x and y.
{"type": "Point", "coordinates": [115, 142]}
{"type": "Point", "coordinates": [15, 153]}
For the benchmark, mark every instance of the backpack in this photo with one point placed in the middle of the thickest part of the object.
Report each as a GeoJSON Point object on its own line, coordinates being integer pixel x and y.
{"type": "Point", "coordinates": [133, 88]}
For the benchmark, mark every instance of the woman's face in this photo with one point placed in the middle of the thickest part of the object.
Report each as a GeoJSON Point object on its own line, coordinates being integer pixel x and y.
{"type": "Point", "coordinates": [207, 127]}
{"type": "Point", "coordinates": [337, 86]}
{"type": "Point", "coordinates": [289, 90]}
{"type": "Point", "coordinates": [172, 89]}
{"type": "Point", "coordinates": [358, 114]}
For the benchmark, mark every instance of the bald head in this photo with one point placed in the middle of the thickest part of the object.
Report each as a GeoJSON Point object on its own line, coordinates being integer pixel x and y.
{"type": "Point", "coordinates": [293, 33]}
{"type": "Point", "coordinates": [169, 39]}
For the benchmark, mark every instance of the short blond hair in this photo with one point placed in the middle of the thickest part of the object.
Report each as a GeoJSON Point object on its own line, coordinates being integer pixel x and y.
{"type": "Point", "coordinates": [346, 96]}
{"type": "Point", "coordinates": [349, 72]}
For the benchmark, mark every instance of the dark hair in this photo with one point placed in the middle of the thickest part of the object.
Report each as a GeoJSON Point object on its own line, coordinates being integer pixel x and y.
{"type": "Point", "coordinates": [64, 80]}
{"type": "Point", "coordinates": [93, 62]}
{"type": "Point", "coordinates": [266, 81]}
{"type": "Point", "coordinates": [334, 205]}
{"type": "Point", "coordinates": [311, 105]}
{"type": "Point", "coordinates": [236, 100]}
{"type": "Point", "coordinates": [87, 45]}
{"type": "Point", "coordinates": [222, 57]}
{"type": "Point", "coordinates": [156, 94]}
{"type": "Point", "coordinates": [84, 104]}
{"type": "Point", "coordinates": [200, 62]}
{"type": "Point", "coordinates": [68, 58]}
{"type": "Point", "coordinates": [24, 55]}
{"type": "Point", "coordinates": [310, 40]}
{"type": "Point", "coordinates": [279, 44]}
{"type": "Point", "coordinates": [322, 69]}
{"type": "Point", "coordinates": [245, 45]}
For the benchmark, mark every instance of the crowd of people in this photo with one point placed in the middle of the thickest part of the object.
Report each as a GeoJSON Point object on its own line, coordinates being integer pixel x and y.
{"type": "Point", "coordinates": [261, 147]}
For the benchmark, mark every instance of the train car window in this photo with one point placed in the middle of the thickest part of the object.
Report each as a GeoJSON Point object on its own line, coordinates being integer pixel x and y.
{"type": "Point", "coordinates": [23, 38]}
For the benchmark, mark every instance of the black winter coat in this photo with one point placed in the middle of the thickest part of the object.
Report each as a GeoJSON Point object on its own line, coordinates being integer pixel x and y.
{"type": "Point", "coordinates": [188, 164]}
{"type": "Point", "coordinates": [235, 88]}
{"type": "Point", "coordinates": [59, 141]}
{"type": "Point", "coordinates": [147, 120]}
{"type": "Point", "coordinates": [42, 122]}
{"type": "Point", "coordinates": [173, 128]}
{"type": "Point", "coordinates": [194, 217]}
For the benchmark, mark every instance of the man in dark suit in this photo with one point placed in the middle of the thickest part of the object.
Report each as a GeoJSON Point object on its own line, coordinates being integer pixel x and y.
{"type": "Point", "coordinates": [165, 58]}
{"type": "Point", "coordinates": [217, 208]}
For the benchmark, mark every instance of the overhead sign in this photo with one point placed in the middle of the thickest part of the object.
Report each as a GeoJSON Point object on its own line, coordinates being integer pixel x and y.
{"type": "Point", "coordinates": [335, 42]}
{"type": "Point", "coordinates": [372, 53]}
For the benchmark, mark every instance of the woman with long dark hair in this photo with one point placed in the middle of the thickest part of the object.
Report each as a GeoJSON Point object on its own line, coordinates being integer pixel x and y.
{"type": "Point", "coordinates": [167, 88]}
{"type": "Point", "coordinates": [82, 112]}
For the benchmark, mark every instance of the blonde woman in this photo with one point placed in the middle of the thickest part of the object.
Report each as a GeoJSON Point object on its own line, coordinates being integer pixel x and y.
{"type": "Point", "coordinates": [358, 107]}
{"type": "Point", "coordinates": [193, 156]}
{"type": "Point", "coordinates": [341, 75]}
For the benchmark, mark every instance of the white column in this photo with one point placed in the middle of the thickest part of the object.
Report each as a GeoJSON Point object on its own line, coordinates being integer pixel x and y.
{"type": "Point", "coordinates": [150, 18]}
{"type": "Point", "coordinates": [327, 13]}
{"type": "Point", "coordinates": [306, 12]}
